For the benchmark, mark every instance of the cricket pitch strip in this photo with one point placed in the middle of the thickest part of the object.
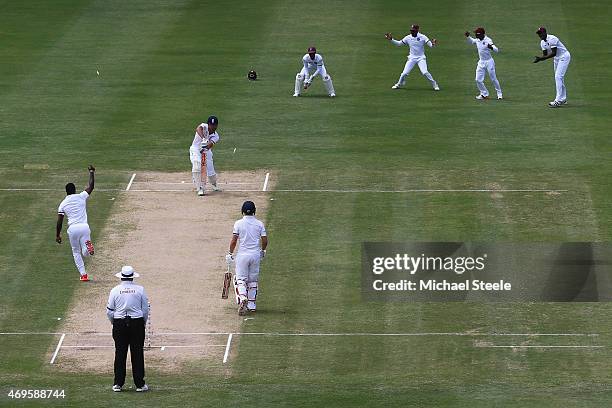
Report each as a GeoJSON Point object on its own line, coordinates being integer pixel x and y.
{"type": "Point", "coordinates": [177, 241]}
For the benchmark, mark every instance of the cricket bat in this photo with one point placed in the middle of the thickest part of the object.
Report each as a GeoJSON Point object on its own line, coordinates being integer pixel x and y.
{"type": "Point", "coordinates": [227, 278]}
{"type": "Point", "coordinates": [203, 169]}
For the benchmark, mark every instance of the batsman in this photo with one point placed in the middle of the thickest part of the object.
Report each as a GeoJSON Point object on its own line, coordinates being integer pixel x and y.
{"type": "Point", "coordinates": [201, 155]}
{"type": "Point", "coordinates": [251, 235]}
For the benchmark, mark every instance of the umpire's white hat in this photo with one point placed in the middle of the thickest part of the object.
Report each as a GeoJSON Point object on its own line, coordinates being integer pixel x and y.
{"type": "Point", "coordinates": [127, 272]}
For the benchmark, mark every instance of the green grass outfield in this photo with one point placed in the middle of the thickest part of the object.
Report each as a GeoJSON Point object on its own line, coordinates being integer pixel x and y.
{"type": "Point", "coordinates": [166, 65]}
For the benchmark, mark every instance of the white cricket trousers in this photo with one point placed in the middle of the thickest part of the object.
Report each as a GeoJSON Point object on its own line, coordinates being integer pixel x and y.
{"type": "Point", "coordinates": [247, 276]}
{"type": "Point", "coordinates": [196, 168]}
{"type": "Point", "coordinates": [487, 66]}
{"type": "Point", "coordinates": [421, 62]}
{"type": "Point", "coordinates": [78, 234]}
{"type": "Point", "coordinates": [196, 161]}
{"type": "Point", "coordinates": [560, 66]}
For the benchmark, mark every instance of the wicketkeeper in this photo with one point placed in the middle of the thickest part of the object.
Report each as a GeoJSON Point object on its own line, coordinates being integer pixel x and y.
{"type": "Point", "coordinates": [313, 66]}
{"type": "Point", "coordinates": [253, 243]}
{"type": "Point", "coordinates": [204, 140]}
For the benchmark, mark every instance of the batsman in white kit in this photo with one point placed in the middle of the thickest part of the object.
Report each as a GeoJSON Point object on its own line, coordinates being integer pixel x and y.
{"type": "Point", "coordinates": [74, 206]}
{"type": "Point", "coordinates": [253, 241]}
{"type": "Point", "coordinates": [313, 66]}
{"type": "Point", "coordinates": [201, 155]}
{"type": "Point", "coordinates": [485, 64]}
{"type": "Point", "coordinates": [417, 42]}
{"type": "Point", "coordinates": [552, 47]}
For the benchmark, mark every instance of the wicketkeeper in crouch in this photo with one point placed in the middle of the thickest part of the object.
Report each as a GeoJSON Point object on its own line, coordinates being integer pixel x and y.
{"type": "Point", "coordinates": [204, 140]}
{"type": "Point", "coordinates": [252, 249]}
{"type": "Point", "coordinates": [313, 66]}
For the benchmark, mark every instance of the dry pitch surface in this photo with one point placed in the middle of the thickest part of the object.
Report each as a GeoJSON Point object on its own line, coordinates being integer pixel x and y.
{"type": "Point", "coordinates": [177, 242]}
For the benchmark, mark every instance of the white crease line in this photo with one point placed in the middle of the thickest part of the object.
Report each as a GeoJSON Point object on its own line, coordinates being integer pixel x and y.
{"type": "Point", "coordinates": [517, 346]}
{"type": "Point", "coordinates": [227, 347]}
{"type": "Point", "coordinates": [265, 186]}
{"type": "Point", "coordinates": [418, 190]}
{"type": "Point", "coordinates": [150, 347]}
{"type": "Point", "coordinates": [310, 334]}
{"type": "Point", "coordinates": [228, 183]}
{"type": "Point", "coordinates": [57, 349]}
{"type": "Point", "coordinates": [310, 190]}
{"type": "Point", "coordinates": [130, 183]}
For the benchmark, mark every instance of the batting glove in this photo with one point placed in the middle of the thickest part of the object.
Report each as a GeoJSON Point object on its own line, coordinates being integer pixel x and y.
{"type": "Point", "coordinates": [262, 254]}
{"type": "Point", "coordinates": [229, 258]}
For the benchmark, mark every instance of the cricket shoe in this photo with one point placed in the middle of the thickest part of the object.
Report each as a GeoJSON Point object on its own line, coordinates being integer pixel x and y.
{"type": "Point", "coordinates": [84, 278]}
{"type": "Point", "coordinates": [242, 310]}
{"type": "Point", "coordinates": [200, 192]}
{"type": "Point", "coordinates": [436, 87]}
{"type": "Point", "coordinates": [296, 94]}
{"type": "Point", "coordinates": [332, 95]}
{"type": "Point", "coordinates": [555, 104]}
{"type": "Point", "coordinates": [500, 96]}
{"type": "Point", "coordinates": [563, 102]}
{"type": "Point", "coordinates": [90, 247]}
{"type": "Point", "coordinates": [482, 97]}
{"type": "Point", "coordinates": [396, 86]}
{"type": "Point", "coordinates": [116, 388]}
{"type": "Point", "coordinates": [143, 388]}
{"type": "Point", "coordinates": [216, 188]}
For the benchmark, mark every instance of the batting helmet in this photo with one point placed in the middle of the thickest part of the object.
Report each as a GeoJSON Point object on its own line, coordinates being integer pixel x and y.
{"type": "Point", "coordinates": [252, 75]}
{"type": "Point", "coordinates": [312, 50]}
{"type": "Point", "coordinates": [248, 208]}
{"type": "Point", "coordinates": [212, 120]}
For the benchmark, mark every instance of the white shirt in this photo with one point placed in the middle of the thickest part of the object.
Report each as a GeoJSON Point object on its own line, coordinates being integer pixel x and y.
{"type": "Point", "coordinates": [197, 139]}
{"type": "Point", "coordinates": [311, 64]}
{"type": "Point", "coordinates": [553, 42]}
{"type": "Point", "coordinates": [249, 230]}
{"type": "Point", "coordinates": [127, 299]}
{"type": "Point", "coordinates": [74, 207]}
{"type": "Point", "coordinates": [416, 44]}
{"type": "Point", "coordinates": [484, 53]}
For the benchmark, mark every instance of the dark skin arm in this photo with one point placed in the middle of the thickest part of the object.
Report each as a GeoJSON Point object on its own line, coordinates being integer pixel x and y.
{"type": "Point", "coordinates": [545, 55]}
{"type": "Point", "coordinates": [264, 243]}
{"type": "Point", "coordinates": [90, 187]}
{"type": "Point", "coordinates": [58, 228]}
{"type": "Point", "coordinates": [233, 243]}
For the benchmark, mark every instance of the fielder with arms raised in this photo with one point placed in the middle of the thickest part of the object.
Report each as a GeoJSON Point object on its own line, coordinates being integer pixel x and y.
{"type": "Point", "coordinates": [485, 45]}
{"type": "Point", "coordinates": [74, 206]}
{"type": "Point", "coordinates": [416, 42]}
{"type": "Point", "coordinates": [253, 243]}
{"type": "Point", "coordinates": [204, 140]}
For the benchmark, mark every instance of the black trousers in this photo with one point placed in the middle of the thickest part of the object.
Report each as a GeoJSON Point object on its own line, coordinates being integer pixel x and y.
{"type": "Point", "coordinates": [129, 333]}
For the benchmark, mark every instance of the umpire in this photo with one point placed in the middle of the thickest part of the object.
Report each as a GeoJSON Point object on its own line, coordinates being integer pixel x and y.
{"type": "Point", "coordinates": [128, 310]}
